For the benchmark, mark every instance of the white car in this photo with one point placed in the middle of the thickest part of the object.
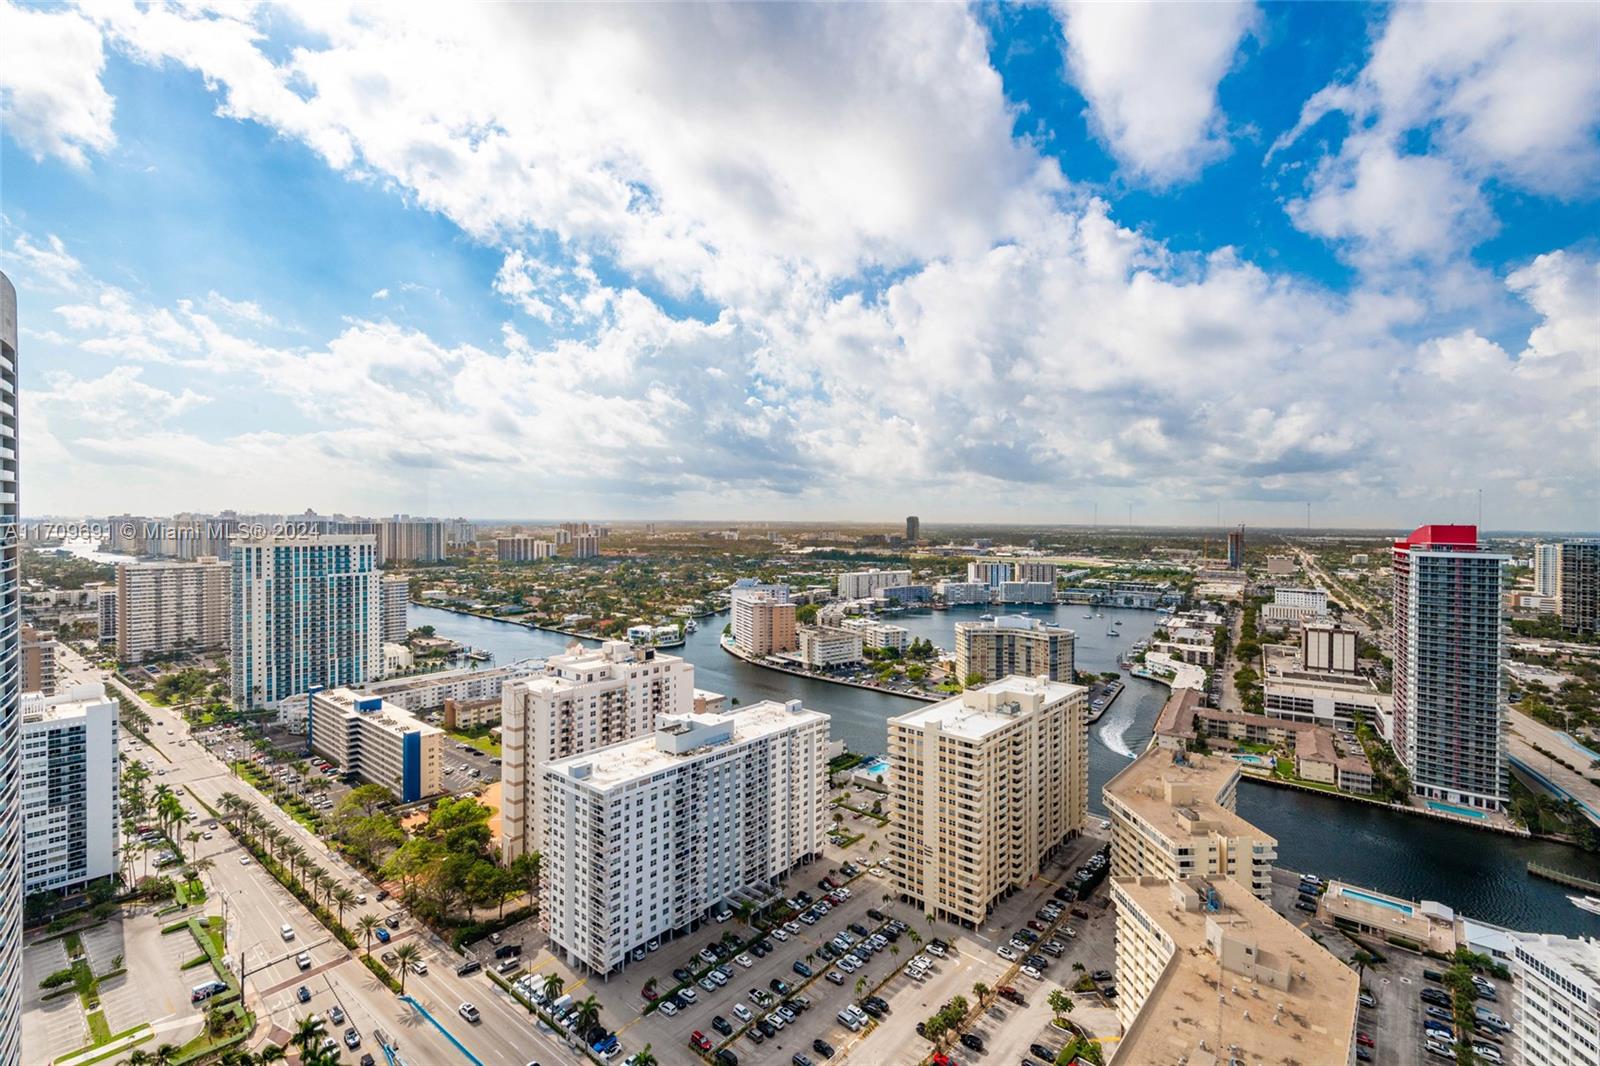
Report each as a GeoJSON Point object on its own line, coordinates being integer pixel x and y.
{"type": "Point", "coordinates": [688, 994]}
{"type": "Point", "coordinates": [707, 984]}
{"type": "Point", "coordinates": [935, 950]}
{"type": "Point", "coordinates": [793, 927]}
{"type": "Point", "coordinates": [745, 960]}
{"type": "Point", "coordinates": [776, 1020]}
{"type": "Point", "coordinates": [668, 1008]}
{"type": "Point", "coordinates": [779, 934]}
{"type": "Point", "coordinates": [1006, 953]}
{"type": "Point", "coordinates": [1029, 971]}
{"type": "Point", "coordinates": [742, 1012]}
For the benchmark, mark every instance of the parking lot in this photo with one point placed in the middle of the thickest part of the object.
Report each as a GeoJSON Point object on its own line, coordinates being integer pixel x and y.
{"type": "Point", "coordinates": [467, 767]}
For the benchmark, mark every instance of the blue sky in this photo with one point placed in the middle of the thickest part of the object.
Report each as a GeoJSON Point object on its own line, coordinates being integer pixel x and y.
{"type": "Point", "coordinates": [1008, 262]}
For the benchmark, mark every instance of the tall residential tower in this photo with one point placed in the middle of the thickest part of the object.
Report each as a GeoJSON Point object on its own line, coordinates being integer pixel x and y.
{"type": "Point", "coordinates": [10, 692]}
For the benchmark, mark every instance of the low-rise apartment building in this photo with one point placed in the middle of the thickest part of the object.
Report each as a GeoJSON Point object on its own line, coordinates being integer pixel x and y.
{"type": "Point", "coordinates": [584, 700]}
{"type": "Point", "coordinates": [1206, 972]}
{"type": "Point", "coordinates": [649, 837]}
{"type": "Point", "coordinates": [876, 634]}
{"type": "Point", "coordinates": [428, 692]}
{"type": "Point", "coordinates": [69, 789]}
{"type": "Point", "coordinates": [1173, 816]}
{"type": "Point", "coordinates": [378, 742]}
{"type": "Point", "coordinates": [823, 647]}
{"type": "Point", "coordinates": [959, 592]}
{"type": "Point", "coordinates": [986, 785]}
{"type": "Point", "coordinates": [1014, 644]}
{"type": "Point", "coordinates": [862, 584]}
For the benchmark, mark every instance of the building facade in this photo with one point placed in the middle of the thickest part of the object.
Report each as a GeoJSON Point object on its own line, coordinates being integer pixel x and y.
{"type": "Point", "coordinates": [1236, 548]}
{"type": "Point", "coordinates": [986, 785]}
{"type": "Point", "coordinates": [1578, 586]}
{"type": "Point", "coordinates": [876, 634]}
{"type": "Point", "coordinates": [822, 647]}
{"type": "Point", "coordinates": [1328, 647]}
{"type": "Point", "coordinates": [307, 611]}
{"type": "Point", "coordinates": [988, 572]}
{"type": "Point", "coordinates": [1558, 1010]}
{"type": "Point", "coordinates": [1173, 817]}
{"type": "Point", "coordinates": [403, 539]}
{"type": "Point", "coordinates": [107, 607]}
{"type": "Point", "coordinates": [862, 584]}
{"type": "Point", "coordinates": [913, 529]}
{"type": "Point", "coordinates": [38, 661]}
{"type": "Point", "coordinates": [762, 624]}
{"type": "Point", "coordinates": [396, 594]}
{"type": "Point", "coordinates": [430, 691]}
{"type": "Point", "coordinates": [521, 548]}
{"type": "Point", "coordinates": [70, 800]}
{"type": "Point", "coordinates": [648, 837]}
{"type": "Point", "coordinates": [1546, 568]}
{"type": "Point", "coordinates": [10, 690]}
{"type": "Point", "coordinates": [1013, 644]}
{"type": "Point", "coordinates": [1449, 667]}
{"type": "Point", "coordinates": [584, 700]}
{"type": "Point", "coordinates": [376, 741]}
{"type": "Point", "coordinates": [586, 546]}
{"type": "Point", "coordinates": [170, 607]}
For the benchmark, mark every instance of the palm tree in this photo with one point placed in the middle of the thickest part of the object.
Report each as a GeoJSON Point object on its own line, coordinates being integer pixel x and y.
{"type": "Point", "coordinates": [861, 986]}
{"type": "Point", "coordinates": [193, 837]}
{"type": "Point", "coordinates": [588, 1014]}
{"type": "Point", "coordinates": [405, 953]}
{"type": "Point", "coordinates": [553, 984]}
{"type": "Point", "coordinates": [367, 924]}
{"type": "Point", "coordinates": [164, 1055]}
{"type": "Point", "coordinates": [139, 1057]}
{"type": "Point", "coordinates": [327, 882]}
{"type": "Point", "coordinates": [980, 990]}
{"type": "Point", "coordinates": [271, 1053]}
{"type": "Point", "coordinates": [307, 1034]}
{"type": "Point", "coordinates": [644, 1057]}
{"type": "Point", "coordinates": [344, 898]}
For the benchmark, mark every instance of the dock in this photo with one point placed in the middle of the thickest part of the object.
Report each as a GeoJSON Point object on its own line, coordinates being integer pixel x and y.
{"type": "Point", "coordinates": [1561, 877]}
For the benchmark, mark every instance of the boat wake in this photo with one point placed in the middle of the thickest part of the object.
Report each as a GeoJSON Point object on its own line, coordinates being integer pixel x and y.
{"type": "Point", "coordinates": [1113, 728]}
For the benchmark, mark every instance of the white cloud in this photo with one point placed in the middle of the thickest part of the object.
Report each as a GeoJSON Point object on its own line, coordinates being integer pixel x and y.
{"type": "Point", "coordinates": [1150, 73]}
{"type": "Point", "coordinates": [381, 294]}
{"type": "Point", "coordinates": [51, 99]}
{"type": "Point", "coordinates": [1452, 97]}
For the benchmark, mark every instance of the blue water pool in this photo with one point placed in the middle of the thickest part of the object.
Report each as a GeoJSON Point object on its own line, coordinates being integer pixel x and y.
{"type": "Point", "coordinates": [1252, 759]}
{"type": "Point", "coordinates": [1451, 808]}
{"type": "Point", "coordinates": [874, 768]}
{"type": "Point", "coordinates": [1379, 901]}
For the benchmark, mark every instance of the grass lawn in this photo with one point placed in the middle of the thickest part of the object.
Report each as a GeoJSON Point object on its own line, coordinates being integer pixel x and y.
{"type": "Point", "coordinates": [478, 738]}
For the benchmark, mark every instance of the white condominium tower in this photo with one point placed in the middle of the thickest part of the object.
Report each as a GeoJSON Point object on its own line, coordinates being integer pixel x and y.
{"type": "Point", "coordinates": [10, 692]}
{"type": "Point", "coordinates": [396, 599]}
{"type": "Point", "coordinates": [986, 784]}
{"type": "Point", "coordinates": [1173, 816]}
{"type": "Point", "coordinates": [1558, 1011]}
{"type": "Point", "coordinates": [645, 838]}
{"type": "Point", "coordinates": [167, 607]}
{"type": "Point", "coordinates": [307, 611]}
{"type": "Point", "coordinates": [586, 699]}
{"type": "Point", "coordinates": [1449, 668]}
{"type": "Point", "coordinates": [1014, 644]}
{"type": "Point", "coordinates": [861, 584]}
{"type": "Point", "coordinates": [403, 539]}
{"type": "Point", "coordinates": [69, 788]}
{"type": "Point", "coordinates": [1546, 568]}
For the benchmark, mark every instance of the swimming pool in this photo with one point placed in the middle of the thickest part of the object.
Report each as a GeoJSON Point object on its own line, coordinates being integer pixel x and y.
{"type": "Point", "coordinates": [1451, 808]}
{"type": "Point", "coordinates": [1379, 901]}
{"type": "Point", "coordinates": [1253, 760]}
{"type": "Point", "coordinates": [877, 766]}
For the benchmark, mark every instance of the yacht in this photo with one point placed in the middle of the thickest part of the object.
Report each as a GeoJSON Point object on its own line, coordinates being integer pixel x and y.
{"type": "Point", "coordinates": [1586, 903]}
{"type": "Point", "coordinates": [690, 626]}
{"type": "Point", "coordinates": [986, 618]}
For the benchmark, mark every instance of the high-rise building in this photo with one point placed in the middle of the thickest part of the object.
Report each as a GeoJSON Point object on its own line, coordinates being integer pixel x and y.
{"type": "Point", "coordinates": [986, 785]}
{"type": "Point", "coordinates": [1173, 815]}
{"type": "Point", "coordinates": [913, 529]}
{"type": "Point", "coordinates": [1206, 972]}
{"type": "Point", "coordinates": [763, 624]}
{"type": "Point", "coordinates": [396, 593]}
{"type": "Point", "coordinates": [1558, 1011]}
{"type": "Point", "coordinates": [403, 539]}
{"type": "Point", "coordinates": [69, 788]}
{"type": "Point", "coordinates": [1327, 647]}
{"type": "Point", "coordinates": [378, 742]}
{"type": "Point", "coordinates": [307, 611]}
{"type": "Point", "coordinates": [651, 835]}
{"type": "Point", "coordinates": [1044, 573]}
{"type": "Point", "coordinates": [10, 691]}
{"type": "Point", "coordinates": [861, 584]}
{"type": "Point", "coordinates": [1236, 548]}
{"type": "Point", "coordinates": [38, 661]}
{"type": "Point", "coordinates": [986, 572]}
{"type": "Point", "coordinates": [107, 606]}
{"type": "Point", "coordinates": [586, 546]}
{"type": "Point", "coordinates": [586, 699]}
{"type": "Point", "coordinates": [1578, 586]}
{"type": "Point", "coordinates": [1546, 568]}
{"type": "Point", "coordinates": [1013, 644]}
{"type": "Point", "coordinates": [169, 607]}
{"type": "Point", "coordinates": [1449, 667]}
{"type": "Point", "coordinates": [521, 548]}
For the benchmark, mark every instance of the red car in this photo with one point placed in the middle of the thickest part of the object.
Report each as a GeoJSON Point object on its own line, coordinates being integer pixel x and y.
{"type": "Point", "coordinates": [1364, 1040]}
{"type": "Point", "coordinates": [1008, 992]}
{"type": "Point", "coordinates": [1036, 926]}
{"type": "Point", "coordinates": [941, 1059]}
{"type": "Point", "coordinates": [698, 1039]}
{"type": "Point", "coordinates": [651, 994]}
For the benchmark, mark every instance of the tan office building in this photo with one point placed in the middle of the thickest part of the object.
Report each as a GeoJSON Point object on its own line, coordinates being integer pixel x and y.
{"type": "Point", "coordinates": [586, 699]}
{"type": "Point", "coordinates": [1013, 645]}
{"type": "Point", "coordinates": [986, 784]}
{"type": "Point", "coordinates": [1173, 816]}
{"type": "Point", "coordinates": [1207, 973]}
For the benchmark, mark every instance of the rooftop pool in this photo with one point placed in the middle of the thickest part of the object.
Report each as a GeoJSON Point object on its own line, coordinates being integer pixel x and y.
{"type": "Point", "coordinates": [1377, 901]}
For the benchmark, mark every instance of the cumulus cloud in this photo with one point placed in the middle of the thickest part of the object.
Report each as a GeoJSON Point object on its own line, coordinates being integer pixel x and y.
{"type": "Point", "coordinates": [1453, 97]}
{"type": "Point", "coordinates": [1150, 73]}
{"type": "Point", "coordinates": [51, 100]}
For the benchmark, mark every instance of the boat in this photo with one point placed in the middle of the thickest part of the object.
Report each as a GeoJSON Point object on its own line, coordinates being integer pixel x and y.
{"type": "Point", "coordinates": [986, 618]}
{"type": "Point", "coordinates": [690, 626]}
{"type": "Point", "coordinates": [1089, 615]}
{"type": "Point", "coordinates": [1586, 903]}
{"type": "Point", "coordinates": [1112, 633]}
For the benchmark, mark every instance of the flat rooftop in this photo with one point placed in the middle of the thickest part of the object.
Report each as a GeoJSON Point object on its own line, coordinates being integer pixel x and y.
{"type": "Point", "coordinates": [980, 711]}
{"type": "Point", "coordinates": [1201, 1008]}
{"type": "Point", "coordinates": [620, 764]}
{"type": "Point", "coordinates": [386, 714]}
{"type": "Point", "coordinates": [74, 702]}
{"type": "Point", "coordinates": [1176, 793]}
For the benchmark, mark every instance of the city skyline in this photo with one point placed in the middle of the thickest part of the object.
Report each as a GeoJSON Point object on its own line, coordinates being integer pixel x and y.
{"type": "Point", "coordinates": [543, 268]}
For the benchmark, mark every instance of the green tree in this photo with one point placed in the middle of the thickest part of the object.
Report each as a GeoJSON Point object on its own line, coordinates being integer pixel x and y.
{"type": "Point", "coordinates": [406, 954]}
{"type": "Point", "coordinates": [1060, 1005]}
{"type": "Point", "coordinates": [366, 925]}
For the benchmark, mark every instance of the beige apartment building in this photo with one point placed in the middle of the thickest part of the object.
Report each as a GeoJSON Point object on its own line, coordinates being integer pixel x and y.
{"type": "Point", "coordinates": [1173, 816]}
{"type": "Point", "coordinates": [378, 742]}
{"type": "Point", "coordinates": [168, 607]}
{"type": "Point", "coordinates": [763, 624]}
{"type": "Point", "coordinates": [586, 699]}
{"type": "Point", "coordinates": [38, 661]}
{"type": "Point", "coordinates": [986, 784]}
{"type": "Point", "coordinates": [1014, 645]}
{"type": "Point", "coordinates": [1207, 973]}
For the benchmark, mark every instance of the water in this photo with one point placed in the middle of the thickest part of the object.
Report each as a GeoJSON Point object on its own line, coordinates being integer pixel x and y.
{"type": "Point", "coordinates": [1481, 874]}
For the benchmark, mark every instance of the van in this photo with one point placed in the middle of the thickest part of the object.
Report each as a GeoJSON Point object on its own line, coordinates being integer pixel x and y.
{"type": "Point", "coordinates": [561, 1004]}
{"type": "Point", "coordinates": [287, 932]}
{"type": "Point", "coordinates": [205, 990]}
{"type": "Point", "coordinates": [848, 1020]}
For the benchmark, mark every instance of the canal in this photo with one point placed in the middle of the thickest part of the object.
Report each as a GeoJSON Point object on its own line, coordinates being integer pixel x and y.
{"type": "Point", "coordinates": [1478, 873]}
